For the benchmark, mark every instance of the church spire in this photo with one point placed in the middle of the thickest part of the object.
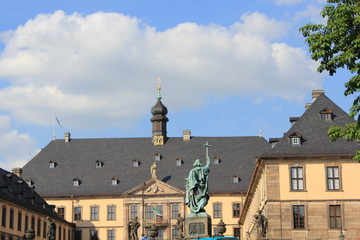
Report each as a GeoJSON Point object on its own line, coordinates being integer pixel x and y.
{"type": "Point", "coordinates": [159, 119]}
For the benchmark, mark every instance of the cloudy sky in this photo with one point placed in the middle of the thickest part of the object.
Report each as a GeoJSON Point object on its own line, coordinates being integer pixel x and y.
{"type": "Point", "coordinates": [227, 68]}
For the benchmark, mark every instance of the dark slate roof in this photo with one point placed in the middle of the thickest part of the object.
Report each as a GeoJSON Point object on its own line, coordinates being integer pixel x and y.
{"type": "Point", "coordinates": [76, 159]}
{"type": "Point", "coordinates": [15, 190]}
{"type": "Point", "coordinates": [313, 130]}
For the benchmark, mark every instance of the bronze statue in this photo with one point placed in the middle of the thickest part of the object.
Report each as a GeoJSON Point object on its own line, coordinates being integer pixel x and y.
{"type": "Point", "coordinates": [261, 223]}
{"type": "Point", "coordinates": [197, 190]}
{"type": "Point", "coordinates": [153, 170]}
{"type": "Point", "coordinates": [134, 225]}
{"type": "Point", "coordinates": [51, 229]}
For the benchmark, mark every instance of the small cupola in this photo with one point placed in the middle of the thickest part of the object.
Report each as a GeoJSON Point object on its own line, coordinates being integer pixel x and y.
{"type": "Point", "coordinates": [159, 120]}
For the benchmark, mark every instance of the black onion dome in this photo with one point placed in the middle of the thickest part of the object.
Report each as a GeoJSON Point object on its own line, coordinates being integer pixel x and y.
{"type": "Point", "coordinates": [159, 111]}
{"type": "Point", "coordinates": [159, 108]}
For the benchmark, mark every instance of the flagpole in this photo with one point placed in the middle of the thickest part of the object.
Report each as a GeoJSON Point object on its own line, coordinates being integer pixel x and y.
{"type": "Point", "coordinates": [54, 128]}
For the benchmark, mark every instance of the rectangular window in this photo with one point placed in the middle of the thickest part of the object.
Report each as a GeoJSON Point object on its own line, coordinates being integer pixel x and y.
{"type": "Point", "coordinates": [236, 210]}
{"type": "Point", "coordinates": [111, 235]}
{"type": "Point", "coordinates": [61, 212]}
{"type": "Point", "coordinates": [93, 234]}
{"type": "Point", "coordinates": [38, 232]}
{"type": "Point", "coordinates": [217, 210]}
{"type": "Point", "coordinates": [335, 216]}
{"type": "Point", "coordinates": [333, 178]}
{"type": "Point", "coordinates": [174, 210]}
{"type": "Point", "coordinates": [94, 213]}
{"type": "Point", "coordinates": [77, 213]}
{"type": "Point", "coordinates": [159, 211]}
{"type": "Point", "coordinates": [26, 223]}
{"type": "Point", "coordinates": [3, 216]}
{"type": "Point", "coordinates": [174, 234]}
{"type": "Point", "coordinates": [160, 234]}
{"type": "Point", "coordinates": [133, 211]}
{"type": "Point", "coordinates": [45, 229]}
{"type": "Point", "coordinates": [237, 233]}
{"type": "Point", "coordinates": [297, 178]}
{"type": "Point", "coordinates": [299, 216]}
{"type": "Point", "coordinates": [59, 233]}
{"type": "Point", "coordinates": [111, 212]}
{"type": "Point", "coordinates": [11, 223]}
{"type": "Point", "coordinates": [149, 213]}
{"type": "Point", "coordinates": [19, 225]}
{"type": "Point", "coordinates": [33, 222]}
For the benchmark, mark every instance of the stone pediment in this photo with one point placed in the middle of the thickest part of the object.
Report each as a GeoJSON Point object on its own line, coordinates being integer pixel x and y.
{"type": "Point", "coordinates": [154, 187]}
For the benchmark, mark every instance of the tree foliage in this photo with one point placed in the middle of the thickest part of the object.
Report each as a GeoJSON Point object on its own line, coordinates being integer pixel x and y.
{"type": "Point", "coordinates": [336, 45]}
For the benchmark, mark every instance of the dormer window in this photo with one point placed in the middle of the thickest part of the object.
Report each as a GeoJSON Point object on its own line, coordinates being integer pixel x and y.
{"type": "Point", "coordinates": [99, 164]}
{"type": "Point", "coordinates": [216, 160]}
{"type": "Point", "coordinates": [52, 164]}
{"type": "Point", "coordinates": [326, 114]}
{"type": "Point", "coordinates": [179, 162]}
{"type": "Point", "coordinates": [76, 182]}
{"type": "Point", "coordinates": [295, 139]}
{"type": "Point", "coordinates": [157, 157]}
{"type": "Point", "coordinates": [135, 163]}
{"type": "Point", "coordinates": [235, 179]}
{"type": "Point", "coordinates": [114, 181]}
{"type": "Point", "coordinates": [29, 182]}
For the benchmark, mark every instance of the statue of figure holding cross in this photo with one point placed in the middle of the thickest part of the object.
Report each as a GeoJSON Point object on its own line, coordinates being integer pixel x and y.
{"type": "Point", "coordinates": [197, 189]}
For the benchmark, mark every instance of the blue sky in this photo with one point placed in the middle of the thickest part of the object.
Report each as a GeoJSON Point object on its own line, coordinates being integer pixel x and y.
{"type": "Point", "coordinates": [228, 68]}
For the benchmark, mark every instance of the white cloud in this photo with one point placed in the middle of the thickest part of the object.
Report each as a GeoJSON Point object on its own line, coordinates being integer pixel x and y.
{"type": "Point", "coordinates": [287, 2]}
{"type": "Point", "coordinates": [260, 25]}
{"type": "Point", "coordinates": [312, 12]}
{"type": "Point", "coordinates": [101, 68]}
{"type": "Point", "coordinates": [15, 148]}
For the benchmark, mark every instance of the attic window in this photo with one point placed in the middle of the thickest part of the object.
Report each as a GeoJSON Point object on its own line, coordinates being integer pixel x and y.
{"type": "Point", "coordinates": [236, 179]}
{"type": "Point", "coordinates": [76, 182]}
{"type": "Point", "coordinates": [179, 162]}
{"type": "Point", "coordinates": [136, 163]}
{"type": "Point", "coordinates": [29, 182]}
{"type": "Point", "coordinates": [114, 181]}
{"type": "Point", "coordinates": [326, 114]}
{"type": "Point", "coordinates": [99, 164]}
{"type": "Point", "coordinates": [216, 160]}
{"type": "Point", "coordinates": [295, 139]}
{"type": "Point", "coordinates": [52, 164]}
{"type": "Point", "coordinates": [157, 157]}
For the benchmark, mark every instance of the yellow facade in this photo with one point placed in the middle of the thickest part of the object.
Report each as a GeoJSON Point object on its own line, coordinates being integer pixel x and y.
{"type": "Point", "coordinates": [153, 193]}
{"type": "Point", "coordinates": [16, 220]}
{"type": "Point", "coordinates": [271, 193]}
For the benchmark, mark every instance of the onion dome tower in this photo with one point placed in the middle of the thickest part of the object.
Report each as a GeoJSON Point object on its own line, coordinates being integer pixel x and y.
{"type": "Point", "coordinates": [159, 120]}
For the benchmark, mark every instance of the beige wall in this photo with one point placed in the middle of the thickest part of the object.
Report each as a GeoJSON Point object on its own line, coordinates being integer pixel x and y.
{"type": "Point", "coordinates": [279, 200]}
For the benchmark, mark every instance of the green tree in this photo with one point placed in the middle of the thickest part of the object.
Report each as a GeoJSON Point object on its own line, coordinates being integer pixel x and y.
{"type": "Point", "coordinates": [336, 45]}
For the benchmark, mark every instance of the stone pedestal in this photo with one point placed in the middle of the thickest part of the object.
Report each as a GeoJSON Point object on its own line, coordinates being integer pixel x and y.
{"type": "Point", "coordinates": [197, 225]}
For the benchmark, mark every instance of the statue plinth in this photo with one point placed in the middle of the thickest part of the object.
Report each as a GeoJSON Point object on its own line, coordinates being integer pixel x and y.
{"type": "Point", "coordinates": [197, 225]}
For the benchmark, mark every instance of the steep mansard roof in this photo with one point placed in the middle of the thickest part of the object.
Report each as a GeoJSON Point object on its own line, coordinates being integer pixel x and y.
{"type": "Point", "coordinates": [312, 127]}
{"type": "Point", "coordinates": [77, 160]}
{"type": "Point", "coordinates": [15, 190]}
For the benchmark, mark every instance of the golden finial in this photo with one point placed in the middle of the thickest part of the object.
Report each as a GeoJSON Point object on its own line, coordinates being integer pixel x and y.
{"type": "Point", "coordinates": [159, 88]}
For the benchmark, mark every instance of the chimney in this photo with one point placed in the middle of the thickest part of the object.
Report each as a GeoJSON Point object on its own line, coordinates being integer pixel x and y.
{"type": "Point", "coordinates": [186, 135]}
{"type": "Point", "coordinates": [316, 94]}
{"type": "Point", "coordinates": [17, 171]}
{"type": "Point", "coordinates": [67, 137]}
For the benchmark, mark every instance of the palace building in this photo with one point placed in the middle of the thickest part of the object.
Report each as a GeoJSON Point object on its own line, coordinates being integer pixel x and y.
{"type": "Point", "coordinates": [305, 187]}
{"type": "Point", "coordinates": [102, 184]}
{"type": "Point", "coordinates": [23, 211]}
